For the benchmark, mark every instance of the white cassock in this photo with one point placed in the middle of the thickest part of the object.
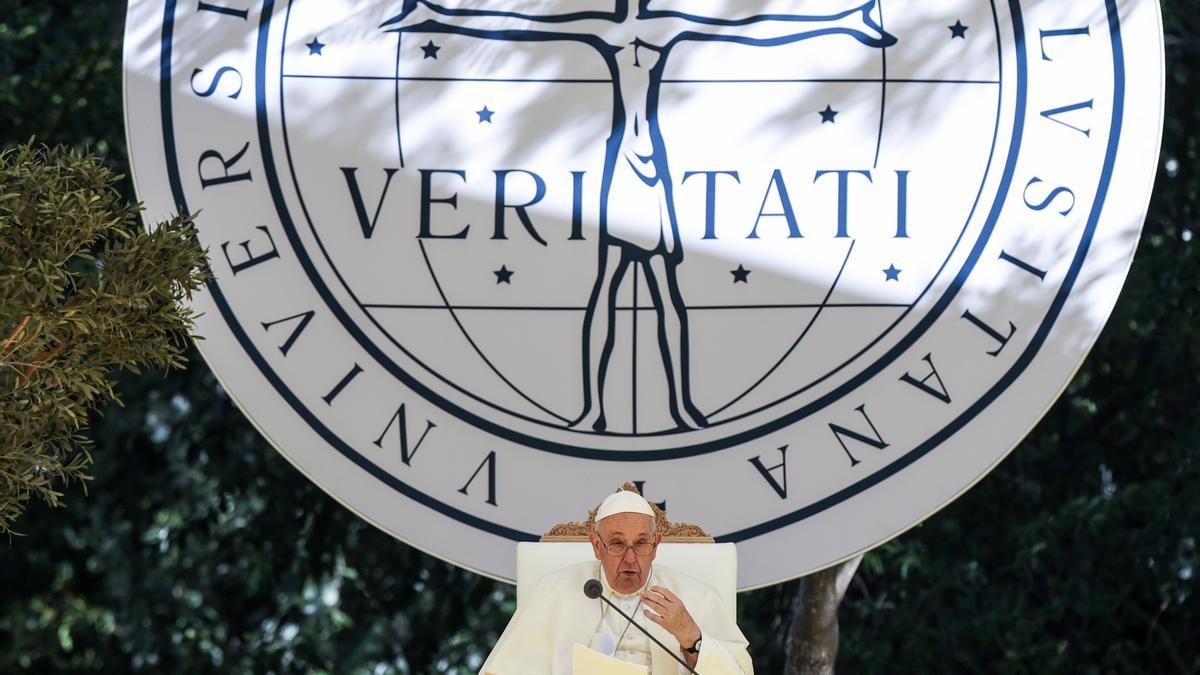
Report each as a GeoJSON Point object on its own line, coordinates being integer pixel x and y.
{"type": "Point", "coordinates": [541, 635]}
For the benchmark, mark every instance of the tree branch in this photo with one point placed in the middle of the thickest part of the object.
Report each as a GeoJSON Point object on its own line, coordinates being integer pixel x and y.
{"type": "Point", "coordinates": [41, 359]}
{"type": "Point", "coordinates": [1168, 644]}
{"type": "Point", "coordinates": [10, 343]}
{"type": "Point", "coordinates": [812, 643]}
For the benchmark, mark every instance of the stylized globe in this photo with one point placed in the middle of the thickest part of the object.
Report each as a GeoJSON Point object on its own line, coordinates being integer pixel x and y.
{"type": "Point", "coordinates": [827, 195]}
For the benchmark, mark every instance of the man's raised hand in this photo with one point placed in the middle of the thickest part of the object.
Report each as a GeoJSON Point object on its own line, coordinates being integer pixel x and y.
{"type": "Point", "coordinates": [670, 613]}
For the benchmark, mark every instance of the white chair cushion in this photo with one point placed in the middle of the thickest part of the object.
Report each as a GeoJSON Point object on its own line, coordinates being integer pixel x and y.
{"type": "Point", "coordinates": [714, 564]}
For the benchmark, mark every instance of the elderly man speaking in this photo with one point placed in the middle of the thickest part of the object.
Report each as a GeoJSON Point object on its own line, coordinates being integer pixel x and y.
{"type": "Point", "coordinates": [678, 610]}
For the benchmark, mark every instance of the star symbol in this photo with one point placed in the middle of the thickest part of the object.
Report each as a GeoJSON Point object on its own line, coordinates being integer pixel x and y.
{"type": "Point", "coordinates": [958, 30]}
{"type": "Point", "coordinates": [740, 275]}
{"type": "Point", "coordinates": [430, 50]}
{"type": "Point", "coordinates": [485, 115]}
{"type": "Point", "coordinates": [503, 275]}
{"type": "Point", "coordinates": [315, 47]}
{"type": "Point", "coordinates": [892, 274]}
{"type": "Point", "coordinates": [828, 115]}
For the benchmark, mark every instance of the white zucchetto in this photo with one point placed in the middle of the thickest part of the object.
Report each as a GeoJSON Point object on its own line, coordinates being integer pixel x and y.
{"type": "Point", "coordinates": [623, 501]}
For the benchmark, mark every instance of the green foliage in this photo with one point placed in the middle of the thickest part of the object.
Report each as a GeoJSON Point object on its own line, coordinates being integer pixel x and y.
{"type": "Point", "coordinates": [200, 549]}
{"type": "Point", "coordinates": [84, 290]}
{"type": "Point", "coordinates": [60, 75]}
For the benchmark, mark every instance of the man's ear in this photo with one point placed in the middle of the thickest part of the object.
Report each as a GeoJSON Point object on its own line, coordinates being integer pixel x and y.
{"type": "Point", "coordinates": [595, 540]}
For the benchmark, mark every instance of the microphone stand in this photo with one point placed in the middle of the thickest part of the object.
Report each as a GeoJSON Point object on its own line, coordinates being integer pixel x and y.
{"type": "Point", "coordinates": [593, 590]}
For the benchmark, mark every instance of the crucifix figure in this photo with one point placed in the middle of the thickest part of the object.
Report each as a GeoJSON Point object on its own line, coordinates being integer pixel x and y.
{"type": "Point", "coordinates": [635, 46]}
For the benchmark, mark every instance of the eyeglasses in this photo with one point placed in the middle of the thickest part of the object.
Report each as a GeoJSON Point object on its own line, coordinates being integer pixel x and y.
{"type": "Point", "coordinates": [617, 549]}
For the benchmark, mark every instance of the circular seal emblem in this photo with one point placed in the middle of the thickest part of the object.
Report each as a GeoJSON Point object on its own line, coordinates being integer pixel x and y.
{"type": "Point", "coordinates": [804, 270]}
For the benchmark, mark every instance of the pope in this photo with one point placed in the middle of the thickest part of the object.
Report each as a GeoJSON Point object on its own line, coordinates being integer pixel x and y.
{"type": "Point", "coordinates": [678, 610]}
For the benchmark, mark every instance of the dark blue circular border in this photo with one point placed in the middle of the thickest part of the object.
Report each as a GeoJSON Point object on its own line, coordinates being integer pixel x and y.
{"type": "Point", "coordinates": [1022, 362]}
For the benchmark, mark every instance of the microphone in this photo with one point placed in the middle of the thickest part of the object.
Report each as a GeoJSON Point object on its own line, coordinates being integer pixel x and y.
{"type": "Point", "coordinates": [593, 590]}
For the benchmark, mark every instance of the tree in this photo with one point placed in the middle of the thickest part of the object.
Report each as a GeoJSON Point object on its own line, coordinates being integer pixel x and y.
{"type": "Point", "coordinates": [84, 290]}
{"type": "Point", "coordinates": [813, 638]}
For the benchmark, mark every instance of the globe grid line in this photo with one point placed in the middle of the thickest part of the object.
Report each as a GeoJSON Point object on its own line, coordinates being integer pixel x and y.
{"type": "Point", "coordinates": [470, 340]}
{"type": "Point", "coordinates": [631, 308]}
{"type": "Point", "coordinates": [534, 80]}
{"type": "Point", "coordinates": [883, 87]}
{"type": "Point", "coordinates": [799, 339]}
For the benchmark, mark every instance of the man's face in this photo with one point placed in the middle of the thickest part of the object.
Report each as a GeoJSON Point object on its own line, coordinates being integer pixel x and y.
{"type": "Point", "coordinates": [628, 572]}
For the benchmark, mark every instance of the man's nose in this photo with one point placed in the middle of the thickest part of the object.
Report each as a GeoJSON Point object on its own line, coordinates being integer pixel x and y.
{"type": "Point", "coordinates": [629, 556]}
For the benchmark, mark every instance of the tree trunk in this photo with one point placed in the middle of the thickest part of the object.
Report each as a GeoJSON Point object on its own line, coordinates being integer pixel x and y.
{"type": "Point", "coordinates": [812, 642]}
